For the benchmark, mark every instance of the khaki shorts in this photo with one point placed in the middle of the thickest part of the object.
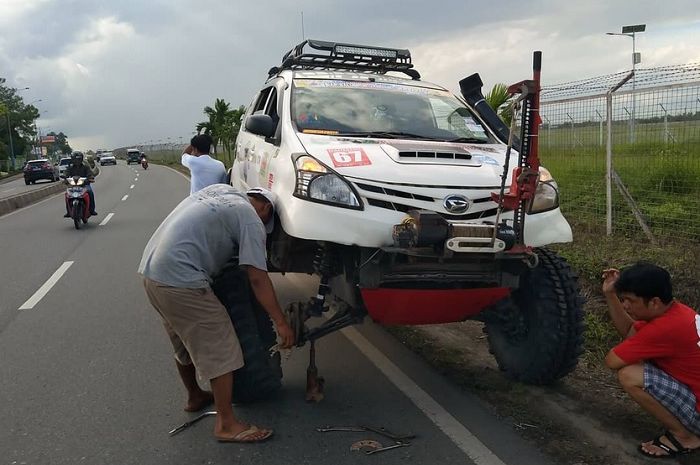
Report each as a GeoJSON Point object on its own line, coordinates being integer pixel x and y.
{"type": "Point", "coordinates": [199, 327]}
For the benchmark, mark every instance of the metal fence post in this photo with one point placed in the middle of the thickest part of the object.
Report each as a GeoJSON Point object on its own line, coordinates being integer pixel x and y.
{"type": "Point", "coordinates": [608, 166]}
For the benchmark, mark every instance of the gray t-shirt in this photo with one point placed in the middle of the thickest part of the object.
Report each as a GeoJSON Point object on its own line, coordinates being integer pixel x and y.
{"type": "Point", "coordinates": [201, 235]}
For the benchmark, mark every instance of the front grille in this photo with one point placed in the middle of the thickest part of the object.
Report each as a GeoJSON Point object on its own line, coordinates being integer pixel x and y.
{"type": "Point", "coordinates": [394, 192]}
{"type": "Point", "coordinates": [405, 208]}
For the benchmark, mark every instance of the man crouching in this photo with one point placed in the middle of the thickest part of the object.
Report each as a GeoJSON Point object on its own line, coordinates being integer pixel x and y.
{"type": "Point", "coordinates": [658, 363]}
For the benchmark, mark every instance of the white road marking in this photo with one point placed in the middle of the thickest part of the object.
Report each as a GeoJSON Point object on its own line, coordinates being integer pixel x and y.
{"type": "Point", "coordinates": [458, 433]}
{"type": "Point", "coordinates": [43, 290]}
{"type": "Point", "coordinates": [125, 197]}
{"type": "Point", "coordinates": [132, 186]}
{"type": "Point", "coordinates": [107, 218]}
{"type": "Point", "coordinates": [136, 179]}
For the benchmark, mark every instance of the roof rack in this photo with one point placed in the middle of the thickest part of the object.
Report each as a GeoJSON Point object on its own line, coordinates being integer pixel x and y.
{"type": "Point", "coordinates": [362, 58]}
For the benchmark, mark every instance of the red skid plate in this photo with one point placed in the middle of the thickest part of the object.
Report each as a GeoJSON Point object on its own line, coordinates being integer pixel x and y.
{"type": "Point", "coordinates": [428, 306]}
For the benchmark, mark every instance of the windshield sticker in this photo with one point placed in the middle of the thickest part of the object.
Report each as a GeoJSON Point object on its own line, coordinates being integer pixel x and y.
{"type": "Point", "coordinates": [340, 84]}
{"type": "Point", "coordinates": [347, 157]}
{"type": "Point", "coordinates": [323, 132]}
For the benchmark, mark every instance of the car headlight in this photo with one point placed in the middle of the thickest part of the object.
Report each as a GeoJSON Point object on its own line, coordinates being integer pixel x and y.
{"type": "Point", "coordinates": [318, 183]}
{"type": "Point", "coordinates": [546, 194]}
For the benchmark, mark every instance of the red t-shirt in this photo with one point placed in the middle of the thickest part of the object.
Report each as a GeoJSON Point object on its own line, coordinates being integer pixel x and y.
{"type": "Point", "coordinates": [672, 342]}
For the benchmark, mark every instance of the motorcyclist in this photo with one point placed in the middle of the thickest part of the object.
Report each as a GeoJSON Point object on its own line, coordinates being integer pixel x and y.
{"type": "Point", "coordinates": [83, 170]}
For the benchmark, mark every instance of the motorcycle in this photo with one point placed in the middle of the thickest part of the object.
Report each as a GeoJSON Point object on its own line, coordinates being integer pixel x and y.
{"type": "Point", "coordinates": [78, 200]}
{"type": "Point", "coordinates": [144, 163]}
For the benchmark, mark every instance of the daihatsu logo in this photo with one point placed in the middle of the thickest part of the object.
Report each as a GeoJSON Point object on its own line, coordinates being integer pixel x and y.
{"type": "Point", "coordinates": [456, 203]}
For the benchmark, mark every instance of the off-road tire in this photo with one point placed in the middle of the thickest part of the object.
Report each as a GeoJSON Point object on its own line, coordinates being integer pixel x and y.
{"type": "Point", "coordinates": [261, 375]}
{"type": "Point", "coordinates": [536, 335]}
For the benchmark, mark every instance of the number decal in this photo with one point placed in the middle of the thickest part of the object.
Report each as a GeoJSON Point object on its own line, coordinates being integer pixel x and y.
{"type": "Point", "coordinates": [343, 158]}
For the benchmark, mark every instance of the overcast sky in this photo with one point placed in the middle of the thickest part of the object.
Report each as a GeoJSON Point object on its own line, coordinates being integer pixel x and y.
{"type": "Point", "coordinates": [121, 72]}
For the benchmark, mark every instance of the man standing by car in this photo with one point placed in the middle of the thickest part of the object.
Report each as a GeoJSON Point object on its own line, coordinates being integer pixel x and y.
{"type": "Point", "coordinates": [658, 363]}
{"type": "Point", "coordinates": [190, 247]}
{"type": "Point", "coordinates": [204, 170]}
{"type": "Point", "coordinates": [79, 168]}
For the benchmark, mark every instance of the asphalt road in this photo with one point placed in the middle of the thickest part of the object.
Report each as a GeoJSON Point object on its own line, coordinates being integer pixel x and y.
{"type": "Point", "coordinates": [87, 376]}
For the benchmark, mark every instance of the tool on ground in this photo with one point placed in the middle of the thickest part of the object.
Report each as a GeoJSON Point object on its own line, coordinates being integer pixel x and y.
{"type": "Point", "coordinates": [314, 383]}
{"type": "Point", "coordinates": [187, 424]}
{"type": "Point", "coordinates": [393, 446]}
{"type": "Point", "coordinates": [366, 445]}
{"type": "Point", "coordinates": [367, 429]}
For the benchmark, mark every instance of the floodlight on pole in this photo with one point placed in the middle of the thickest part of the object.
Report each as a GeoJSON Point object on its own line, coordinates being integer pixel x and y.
{"type": "Point", "coordinates": [631, 31]}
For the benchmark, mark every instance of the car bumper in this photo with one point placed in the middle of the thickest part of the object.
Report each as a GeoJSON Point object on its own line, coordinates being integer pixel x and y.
{"type": "Point", "coordinates": [373, 226]}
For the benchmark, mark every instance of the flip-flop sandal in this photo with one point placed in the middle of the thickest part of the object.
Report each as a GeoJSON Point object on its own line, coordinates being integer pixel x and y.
{"type": "Point", "coordinates": [670, 453]}
{"type": "Point", "coordinates": [250, 435]}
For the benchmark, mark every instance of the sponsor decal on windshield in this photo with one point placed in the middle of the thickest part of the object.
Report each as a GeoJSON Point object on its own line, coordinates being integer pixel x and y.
{"type": "Point", "coordinates": [340, 84]}
{"type": "Point", "coordinates": [347, 157]}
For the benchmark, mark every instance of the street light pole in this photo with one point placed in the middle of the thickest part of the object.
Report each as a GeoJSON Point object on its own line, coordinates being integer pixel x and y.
{"type": "Point", "coordinates": [631, 31]}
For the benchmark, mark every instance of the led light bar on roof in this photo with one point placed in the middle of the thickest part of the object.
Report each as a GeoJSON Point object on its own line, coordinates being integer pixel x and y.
{"type": "Point", "coordinates": [370, 52]}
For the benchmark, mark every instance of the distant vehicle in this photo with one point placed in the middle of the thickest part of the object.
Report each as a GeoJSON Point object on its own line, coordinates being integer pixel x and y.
{"type": "Point", "coordinates": [63, 165]}
{"type": "Point", "coordinates": [106, 158]}
{"type": "Point", "coordinates": [40, 169]}
{"type": "Point", "coordinates": [133, 156]}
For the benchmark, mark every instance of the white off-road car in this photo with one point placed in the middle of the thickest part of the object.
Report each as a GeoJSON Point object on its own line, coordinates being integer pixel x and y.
{"type": "Point", "coordinates": [386, 191]}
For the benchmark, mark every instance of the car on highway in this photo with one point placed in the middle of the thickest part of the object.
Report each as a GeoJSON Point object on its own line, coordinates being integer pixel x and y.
{"type": "Point", "coordinates": [396, 194]}
{"type": "Point", "coordinates": [107, 158]}
{"type": "Point", "coordinates": [35, 170]}
{"type": "Point", "coordinates": [133, 156]}
{"type": "Point", "coordinates": [63, 165]}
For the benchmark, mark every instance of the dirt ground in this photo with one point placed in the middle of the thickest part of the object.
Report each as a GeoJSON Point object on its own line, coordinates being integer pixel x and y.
{"type": "Point", "coordinates": [585, 419]}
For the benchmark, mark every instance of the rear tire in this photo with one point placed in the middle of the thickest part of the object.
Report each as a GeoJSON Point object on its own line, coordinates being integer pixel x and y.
{"type": "Point", "coordinates": [536, 335]}
{"type": "Point", "coordinates": [261, 375]}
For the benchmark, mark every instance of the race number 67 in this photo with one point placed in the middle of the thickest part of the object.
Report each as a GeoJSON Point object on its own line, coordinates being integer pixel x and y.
{"type": "Point", "coordinates": [348, 157]}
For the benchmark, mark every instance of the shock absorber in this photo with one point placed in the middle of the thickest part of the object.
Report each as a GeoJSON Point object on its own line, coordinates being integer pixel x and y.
{"type": "Point", "coordinates": [324, 267]}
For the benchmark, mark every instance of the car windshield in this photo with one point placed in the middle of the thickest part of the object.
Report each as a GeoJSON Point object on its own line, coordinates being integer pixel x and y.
{"type": "Point", "coordinates": [386, 110]}
{"type": "Point", "coordinates": [64, 161]}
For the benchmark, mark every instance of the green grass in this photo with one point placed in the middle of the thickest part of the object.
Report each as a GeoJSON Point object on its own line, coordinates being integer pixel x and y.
{"type": "Point", "coordinates": [663, 178]}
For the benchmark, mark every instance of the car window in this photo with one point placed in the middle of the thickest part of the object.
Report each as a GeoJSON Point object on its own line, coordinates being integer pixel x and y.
{"type": "Point", "coordinates": [37, 162]}
{"type": "Point", "coordinates": [261, 104]}
{"type": "Point", "coordinates": [361, 106]}
{"type": "Point", "coordinates": [64, 161]}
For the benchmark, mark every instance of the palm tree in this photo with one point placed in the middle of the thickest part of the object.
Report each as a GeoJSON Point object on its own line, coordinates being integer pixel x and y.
{"type": "Point", "coordinates": [223, 126]}
{"type": "Point", "coordinates": [499, 99]}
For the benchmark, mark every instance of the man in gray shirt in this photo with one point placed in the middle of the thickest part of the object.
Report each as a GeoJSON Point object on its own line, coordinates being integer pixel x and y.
{"type": "Point", "coordinates": [188, 249]}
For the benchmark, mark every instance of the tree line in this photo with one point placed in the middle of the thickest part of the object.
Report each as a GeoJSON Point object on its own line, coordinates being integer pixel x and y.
{"type": "Point", "coordinates": [18, 129]}
{"type": "Point", "coordinates": [222, 124]}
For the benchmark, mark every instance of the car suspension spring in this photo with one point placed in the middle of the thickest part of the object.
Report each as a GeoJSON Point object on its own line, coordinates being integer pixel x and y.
{"type": "Point", "coordinates": [325, 266]}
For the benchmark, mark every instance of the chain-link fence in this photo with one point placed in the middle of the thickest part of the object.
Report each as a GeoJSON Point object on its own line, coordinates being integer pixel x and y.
{"type": "Point", "coordinates": [169, 153]}
{"type": "Point", "coordinates": [654, 133]}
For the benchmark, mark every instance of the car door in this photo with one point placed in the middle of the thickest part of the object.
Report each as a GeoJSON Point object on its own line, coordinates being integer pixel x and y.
{"type": "Point", "coordinates": [259, 150]}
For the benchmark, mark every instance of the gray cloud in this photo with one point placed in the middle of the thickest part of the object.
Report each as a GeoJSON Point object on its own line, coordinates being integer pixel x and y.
{"type": "Point", "coordinates": [149, 67]}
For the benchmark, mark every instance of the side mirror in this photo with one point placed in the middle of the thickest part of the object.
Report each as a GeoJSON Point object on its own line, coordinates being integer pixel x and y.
{"type": "Point", "coordinates": [261, 125]}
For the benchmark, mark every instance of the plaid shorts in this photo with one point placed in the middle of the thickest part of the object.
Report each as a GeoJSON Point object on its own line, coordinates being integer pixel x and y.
{"type": "Point", "coordinates": [676, 397]}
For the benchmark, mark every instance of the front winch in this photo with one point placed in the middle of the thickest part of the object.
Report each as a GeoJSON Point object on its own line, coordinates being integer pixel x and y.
{"type": "Point", "coordinates": [424, 228]}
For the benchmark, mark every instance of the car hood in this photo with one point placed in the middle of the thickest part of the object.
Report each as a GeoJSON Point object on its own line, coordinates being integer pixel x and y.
{"type": "Point", "coordinates": [406, 161]}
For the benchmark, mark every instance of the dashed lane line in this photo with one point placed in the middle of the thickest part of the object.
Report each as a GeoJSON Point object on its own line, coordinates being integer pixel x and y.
{"type": "Point", "coordinates": [107, 218]}
{"type": "Point", "coordinates": [132, 186]}
{"type": "Point", "coordinates": [43, 290]}
{"type": "Point", "coordinates": [125, 197]}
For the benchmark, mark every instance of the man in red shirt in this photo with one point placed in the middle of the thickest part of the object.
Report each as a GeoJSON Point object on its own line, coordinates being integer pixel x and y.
{"type": "Point", "coordinates": [658, 363]}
